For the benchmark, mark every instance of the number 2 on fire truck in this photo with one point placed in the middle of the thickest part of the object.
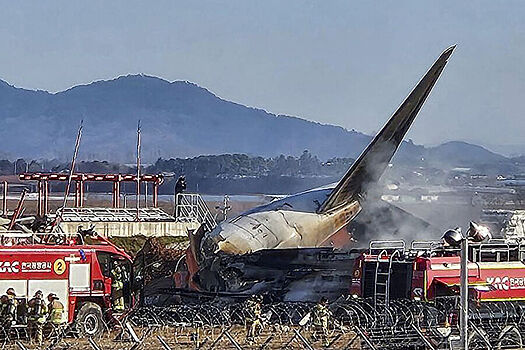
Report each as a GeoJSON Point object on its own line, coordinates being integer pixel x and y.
{"type": "Point", "coordinates": [59, 266]}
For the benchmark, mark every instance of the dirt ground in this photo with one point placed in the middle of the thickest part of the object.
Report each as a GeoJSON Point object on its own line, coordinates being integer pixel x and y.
{"type": "Point", "coordinates": [206, 338]}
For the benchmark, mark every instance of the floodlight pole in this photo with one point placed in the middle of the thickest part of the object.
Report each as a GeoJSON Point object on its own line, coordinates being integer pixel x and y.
{"type": "Point", "coordinates": [138, 173]}
{"type": "Point", "coordinates": [463, 314]}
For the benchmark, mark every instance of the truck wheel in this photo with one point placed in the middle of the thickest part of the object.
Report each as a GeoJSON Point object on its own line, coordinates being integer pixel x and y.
{"type": "Point", "coordinates": [89, 321]}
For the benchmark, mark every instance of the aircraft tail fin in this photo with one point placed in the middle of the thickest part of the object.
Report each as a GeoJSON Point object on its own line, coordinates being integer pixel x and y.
{"type": "Point", "coordinates": [371, 164]}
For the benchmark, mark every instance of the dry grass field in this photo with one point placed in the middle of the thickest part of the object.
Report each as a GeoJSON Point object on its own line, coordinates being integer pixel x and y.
{"type": "Point", "coordinates": [205, 338]}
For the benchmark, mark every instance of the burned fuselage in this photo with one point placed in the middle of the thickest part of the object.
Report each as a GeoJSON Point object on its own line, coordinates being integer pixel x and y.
{"type": "Point", "coordinates": [291, 222]}
{"type": "Point", "coordinates": [304, 220]}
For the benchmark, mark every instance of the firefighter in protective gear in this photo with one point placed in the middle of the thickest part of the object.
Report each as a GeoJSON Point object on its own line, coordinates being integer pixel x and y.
{"type": "Point", "coordinates": [321, 315]}
{"type": "Point", "coordinates": [55, 310]}
{"type": "Point", "coordinates": [8, 310]}
{"type": "Point", "coordinates": [5, 320]}
{"type": "Point", "coordinates": [37, 314]}
{"type": "Point", "coordinates": [4, 330]}
{"type": "Point", "coordinates": [117, 288]}
{"type": "Point", "coordinates": [253, 317]}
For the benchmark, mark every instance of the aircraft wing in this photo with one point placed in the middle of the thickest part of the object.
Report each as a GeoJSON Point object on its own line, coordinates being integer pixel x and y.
{"type": "Point", "coordinates": [371, 164]}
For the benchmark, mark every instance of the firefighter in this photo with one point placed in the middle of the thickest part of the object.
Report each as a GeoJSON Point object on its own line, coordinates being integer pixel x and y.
{"type": "Point", "coordinates": [4, 324]}
{"type": "Point", "coordinates": [8, 310]}
{"type": "Point", "coordinates": [180, 187]}
{"type": "Point", "coordinates": [55, 311]}
{"type": "Point", "coordinates": [320, 318]}
{"type": "Point", "coordinates": [253, 317]}
{"type": "Point", "coordinates": [3, 304]}
{"type": "Point", "coordinates": [117, 287]}
{"type": "Point", "coordinates": [37, 314]}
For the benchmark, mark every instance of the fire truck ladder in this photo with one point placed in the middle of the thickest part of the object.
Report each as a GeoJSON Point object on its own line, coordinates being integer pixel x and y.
{"type": "Point", "coordinates": [383, 275]}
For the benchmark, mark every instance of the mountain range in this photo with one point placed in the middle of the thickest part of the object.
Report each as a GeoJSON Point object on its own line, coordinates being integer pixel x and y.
{"type": "Point", "coordinates": [182, 119]}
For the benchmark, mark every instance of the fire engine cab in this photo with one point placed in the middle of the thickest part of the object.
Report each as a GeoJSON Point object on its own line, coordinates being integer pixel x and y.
{"type": "Point", "coordinates": [77, 268]}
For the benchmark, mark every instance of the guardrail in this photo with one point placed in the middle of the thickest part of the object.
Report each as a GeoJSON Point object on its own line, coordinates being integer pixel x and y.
{"type": "Point", "coordinates": [190, 207]}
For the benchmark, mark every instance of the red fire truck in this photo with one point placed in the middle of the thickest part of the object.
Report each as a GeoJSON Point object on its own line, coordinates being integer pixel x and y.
{"type": "Point", "coordinates": [77, 268]}
{"type": "Point", "coordinates": [429, 270]}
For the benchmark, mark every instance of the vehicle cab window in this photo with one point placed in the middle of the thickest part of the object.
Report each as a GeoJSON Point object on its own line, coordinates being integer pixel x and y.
{"type": "Point", "coordinates": [104, 260]}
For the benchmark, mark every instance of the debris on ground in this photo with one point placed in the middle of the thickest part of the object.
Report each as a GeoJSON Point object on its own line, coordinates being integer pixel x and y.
{"type": "Point", "coordinates": [158, 260]}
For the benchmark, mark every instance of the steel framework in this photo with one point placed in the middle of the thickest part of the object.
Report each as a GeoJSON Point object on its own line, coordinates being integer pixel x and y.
{"type": "Point", "coordinates": [80, 179]}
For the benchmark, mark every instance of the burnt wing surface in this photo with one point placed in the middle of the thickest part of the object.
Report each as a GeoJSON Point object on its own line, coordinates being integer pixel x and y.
{"type": "Point", "coordinates": [371, 164]}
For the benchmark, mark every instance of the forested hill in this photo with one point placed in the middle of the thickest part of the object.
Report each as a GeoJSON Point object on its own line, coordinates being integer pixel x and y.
{"type": "Point", "coordinates": [181, 119]}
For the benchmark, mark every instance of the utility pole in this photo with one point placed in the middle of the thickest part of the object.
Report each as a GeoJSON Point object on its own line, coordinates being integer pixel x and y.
{"type": "Point", "coordinates": [463, 295]}
{"type": "Point", "coordinates": [138, 172]}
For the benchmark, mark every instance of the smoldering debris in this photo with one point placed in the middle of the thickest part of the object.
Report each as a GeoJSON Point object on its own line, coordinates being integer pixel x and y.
{"type": "Point", "coordinates": [300, 274]}
{"type": "Point", "coordinates": [157, 261]}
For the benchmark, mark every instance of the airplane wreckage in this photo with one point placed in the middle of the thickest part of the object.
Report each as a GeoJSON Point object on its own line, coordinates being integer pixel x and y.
{"type": "Point", "coordinates": [288, 248]}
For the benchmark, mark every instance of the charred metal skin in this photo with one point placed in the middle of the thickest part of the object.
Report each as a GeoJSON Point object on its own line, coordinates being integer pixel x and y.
{"type": "Point", "coordinates": [310, 218]}
{"type": "Point", "coordinates": [300, 274]}
{"type": "Point", "coordinates": [292, 222]}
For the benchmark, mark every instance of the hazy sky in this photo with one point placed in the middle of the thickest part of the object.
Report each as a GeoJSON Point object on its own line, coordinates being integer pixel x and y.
{"type": "Point", "coordinates": [341, 62]}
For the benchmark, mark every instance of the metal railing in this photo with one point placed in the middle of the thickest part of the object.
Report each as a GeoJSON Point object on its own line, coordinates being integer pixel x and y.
{"type": "Point", "coordinates": [13, 238]}
{"type": "Point", "coordinates": [390, 246]}
{"type": "Point", "coordinates": [190, 207]}
{"type": "Point", "coordinates": [114, 215]}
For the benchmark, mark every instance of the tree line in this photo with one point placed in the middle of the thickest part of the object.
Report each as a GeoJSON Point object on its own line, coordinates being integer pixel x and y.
{"type": "Point", "coordinates": [210, 166]}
